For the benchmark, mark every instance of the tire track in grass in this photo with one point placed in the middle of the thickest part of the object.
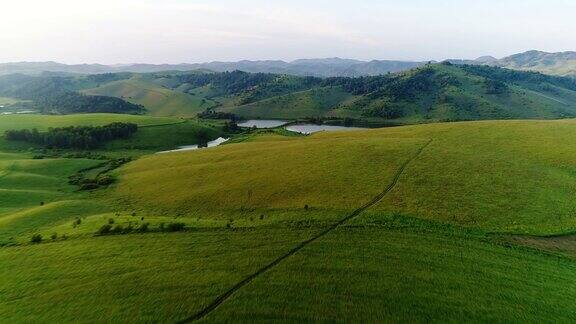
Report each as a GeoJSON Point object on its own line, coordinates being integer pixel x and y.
{"type": "Point", "coordinates": [222, 298]}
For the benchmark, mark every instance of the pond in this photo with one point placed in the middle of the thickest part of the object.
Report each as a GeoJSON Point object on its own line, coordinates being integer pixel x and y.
{"type": "Point", "coordinates": [213, 143]}
{"type": "Point", "coordinates": [312, 128]}
{"type": "Point", "coordinates": [262, 123]}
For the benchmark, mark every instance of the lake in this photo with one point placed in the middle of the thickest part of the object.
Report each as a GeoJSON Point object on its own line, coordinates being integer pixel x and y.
{"type": "Point", "coordinates": [312, 128]}
{"type": "Point", "coordinates": [213, 143]}
{"type": "Point", "coordinates": [262, 123]}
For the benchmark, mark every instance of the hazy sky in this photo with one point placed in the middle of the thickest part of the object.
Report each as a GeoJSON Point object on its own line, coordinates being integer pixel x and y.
{"type": "Point", "coordinates": [175, 31]}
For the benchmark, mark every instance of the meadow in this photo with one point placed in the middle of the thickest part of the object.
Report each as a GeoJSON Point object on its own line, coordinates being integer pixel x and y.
{"type": "Point", "coordinates": [159, 100]}
{"type": "Point", "coordinates": [469, 221]}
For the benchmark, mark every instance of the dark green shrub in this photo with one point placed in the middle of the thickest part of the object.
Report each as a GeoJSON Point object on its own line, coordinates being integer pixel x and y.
{"type": "Point", "coordinates": [143, 228]}
{"type": "Point", "coordinates": [105, 229]}
{"type": "Point", "coordinates": [110, 221]}
{"type": "Point", "coordinates": [128, 229]}
{"type": "Point", "coordinates": [54, 236]}
{"type": "Point", "coordinates": [36, 238]}
{"type": "Point", "coordinates": [89, 186]}
{"type": "Point", "coordinates": [104, 180]}
{"type": "Point", "coordinates": [76, 222]}
{"type": "Point", "coordinates": [175, 227]}
{"type": "Point", "coordinates": [118, 229]}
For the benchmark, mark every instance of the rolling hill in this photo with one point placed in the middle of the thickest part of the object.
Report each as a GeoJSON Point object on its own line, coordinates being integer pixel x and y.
{"type": "Point", "coordinates": [413, 223]}
{"type": "Point", "coordinates": [159, 100]}
{"type": "Point", "coordinates": [563, 63]}
{"type": "Point", "coordinates": [440, 92]}
{"type": "Point", "coordinates": [436, 92]}
{"type": "Point", "coordinates": [431, 93]}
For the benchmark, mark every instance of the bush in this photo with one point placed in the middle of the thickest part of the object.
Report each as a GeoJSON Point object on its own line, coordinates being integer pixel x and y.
{"type": "Point", "coordinates": [143, 228]}
{"type": "Point", "coordinates": [110, 221]}
{"type": "Point", "coordinates": [175, 227]}
{"type": "Point", "coordinates": [54, 236]}
{"type": "Point", "coordinates": [105, 229]}
{"type": "Point", "coordinates": [76, 222]}
{"type": "Point", "coordinates": [89, 186]}
{"type": "Point", "coordinates": [128, 229]}
{"type": "Point", "coordinates": [118, 229]}
{"type": "Point", "coordinates": [104, 180]}
{"type": "Point", "coordinates": [36, 238]}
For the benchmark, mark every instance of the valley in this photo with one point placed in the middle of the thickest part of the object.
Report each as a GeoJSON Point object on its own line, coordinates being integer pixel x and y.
{"type": "Point", "coordinates": [271, 201]}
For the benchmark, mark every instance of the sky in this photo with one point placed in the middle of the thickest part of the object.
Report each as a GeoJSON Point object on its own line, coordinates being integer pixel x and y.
{"type": "Point", "coordinates": [190, 31]}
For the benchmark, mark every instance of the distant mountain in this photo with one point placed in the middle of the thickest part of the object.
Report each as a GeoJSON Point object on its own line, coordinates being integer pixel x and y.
{"type": "Point", "coordinates": [562, 63]}
{"type": "Point", "coordinates": [479, 61]}
{"type": "Point", "coordinates": [434, 92]}
{"type": "Point", "coordinates": [330, 67]}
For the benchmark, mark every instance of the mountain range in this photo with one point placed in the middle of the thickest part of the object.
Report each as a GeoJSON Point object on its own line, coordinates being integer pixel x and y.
{"type": "Point", "coordinates": [563, 64]}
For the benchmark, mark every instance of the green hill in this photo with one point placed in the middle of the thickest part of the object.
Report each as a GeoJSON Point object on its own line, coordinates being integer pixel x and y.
{"type": "Point", "coordinates": [414, 223]}
{"type": "Point", "coordinates": [563, 64]}
{"type": "Point", "coordinates": [431, 93]}
{"type": "Point", "coordinates": [157, 98]}
{"type": "Point", "coordinates": [319, 102]}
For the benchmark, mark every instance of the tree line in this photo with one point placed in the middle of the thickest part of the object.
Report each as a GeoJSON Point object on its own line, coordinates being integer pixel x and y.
{"type": "Point", "coordinates": [74, 137]}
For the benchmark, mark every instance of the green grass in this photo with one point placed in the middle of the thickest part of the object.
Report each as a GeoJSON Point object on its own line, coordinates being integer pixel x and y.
{"type": "Point", "coordinates": [43, 122]}
{"type": "Point", "coordinates": [265, 176]}
{"type": "Point", "coordinates": [514, 176]}
{"type": "Point", "coordinates": [311, 103]}
{"type": "Point", "coordinates": [35, 194]}
{"type": "Point", "coordinates": [26, 184]}
{"type": "Point", "coordinates": [159, 138]}
{"type": "Point", "coordinates": [440, 246]}
{"type": "Point", "coordinates": [376, 274]}
{"type": "Point", "coordinates": [130, 278]}
{"type": "Point", "coordinates": [159, 100]}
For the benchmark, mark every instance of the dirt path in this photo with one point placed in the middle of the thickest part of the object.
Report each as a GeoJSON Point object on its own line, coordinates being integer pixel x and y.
{"type": "Point", "coordinates": [222, 298]}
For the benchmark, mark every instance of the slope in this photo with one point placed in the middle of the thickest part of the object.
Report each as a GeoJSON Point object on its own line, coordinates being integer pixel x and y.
{"type": "Point", "coordinates": [409, 258]}
{"type": "Point", "coordinates": [159, 100]}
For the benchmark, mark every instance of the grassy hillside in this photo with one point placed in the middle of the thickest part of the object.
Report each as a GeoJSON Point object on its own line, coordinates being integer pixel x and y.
{"type": "Point", "coordinates": [43, 122]}
{"type": "Point", "coordinates": [563, 64]}
{"type": "Point", "coordinates": [500, 176]}
{"type": "Point", "coordinates": [415, 223]}
{"type": "Point", "coordinates": [311, 103]}
{"type": "Point", "coordinates": [157, 99]}
{"type": "Point", "coordinates": [36, 192]}
{"type": "Point", "coordinates": [451, 93]}
{"type": "Point", "coordinates": [439, 92]}
{"type": "Point", "coordinates": [430, 93]}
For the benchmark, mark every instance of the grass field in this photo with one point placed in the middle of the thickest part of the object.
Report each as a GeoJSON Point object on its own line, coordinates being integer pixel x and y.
{"type": "Point", "coordinates": [35, 192]}
{"type": "Point", "coordinates": [157, 99]}
{"type": "Point", "coordinates": [415, 223]}
{"type": "Point", "coordinates": [43, 122]}
{"type": "Point", "coordinates": [499, 176]}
